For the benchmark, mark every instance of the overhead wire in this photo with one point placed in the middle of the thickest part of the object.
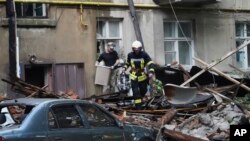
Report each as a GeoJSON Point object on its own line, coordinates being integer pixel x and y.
{"type": "Point", "coordinates": [181, 29]}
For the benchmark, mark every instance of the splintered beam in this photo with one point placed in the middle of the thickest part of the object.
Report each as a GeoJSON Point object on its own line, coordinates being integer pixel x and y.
{"type": "Point", "coordinates": [216, 62]}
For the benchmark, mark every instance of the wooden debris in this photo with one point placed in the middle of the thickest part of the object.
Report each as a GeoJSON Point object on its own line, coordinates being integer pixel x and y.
{"type": "Point", "coordinates": [31, 90]}
{"type": "Point", "coordinates": [168, 117]}
{"type": "Point", "coordinates": [220, 95]}
{"type": "Point", "coordinates": [224, 75]}
{"type": "Point", "coordinates": [180, 136]}
{"type": "Point", "coordinates": [216, 63]}
{"type": "Point", "coordinates": [147, 122]}
{"type": "Point", "coordinates": [35, 93]}
{"type": "Point", "coordinates": [156, 112]}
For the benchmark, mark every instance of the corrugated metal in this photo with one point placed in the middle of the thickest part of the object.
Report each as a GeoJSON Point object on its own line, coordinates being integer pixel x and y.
{"type": "Point", "coordinates": [70, 76]}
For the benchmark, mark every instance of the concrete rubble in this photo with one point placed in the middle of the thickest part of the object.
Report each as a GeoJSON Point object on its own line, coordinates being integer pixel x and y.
{"type": "Point", "coordinates": [214, 125]}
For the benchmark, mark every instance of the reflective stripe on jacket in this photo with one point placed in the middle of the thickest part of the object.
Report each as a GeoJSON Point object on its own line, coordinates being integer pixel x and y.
{"type": "Point", "coordinates": [138, 62]}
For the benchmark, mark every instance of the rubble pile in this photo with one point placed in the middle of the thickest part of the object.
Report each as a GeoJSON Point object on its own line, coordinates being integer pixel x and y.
{"type": "Point", "coordinates": [194, 113]}
{"type": "Point", "coordinates": [214, 125]}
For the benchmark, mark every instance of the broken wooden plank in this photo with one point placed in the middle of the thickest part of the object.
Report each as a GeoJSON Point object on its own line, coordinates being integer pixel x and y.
{"type": "Point", "coordinates": [221, 95]}
{"type": "Point", "coordinates": [34, 93]}
{"type": "Point", "coordinates": [31, 86]}
{"type": "Point", "coordinates": [216, 63]}
{"type": "Point", "coordinates": [180, 136]}
{"type": "Point", "coordinates": [168, 117]}
{"type": "Point", "coordinates": [223, 75]}
{"type": "Point", "coordinates": [28, 89]}
{"type": "Point", "coordinates": [159, 112]}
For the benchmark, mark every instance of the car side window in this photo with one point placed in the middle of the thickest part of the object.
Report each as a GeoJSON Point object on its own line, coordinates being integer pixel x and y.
{"type": "Point", "coordinates": [52, 121]}
{"type": "Point", "coordinates": [65, 116]}
{"type": "Point", "coordinates": [96, 117]}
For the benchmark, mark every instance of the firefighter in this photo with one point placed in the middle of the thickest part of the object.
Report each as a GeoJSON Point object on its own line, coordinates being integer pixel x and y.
{"type": "Point", "coordinates": [138, 60]}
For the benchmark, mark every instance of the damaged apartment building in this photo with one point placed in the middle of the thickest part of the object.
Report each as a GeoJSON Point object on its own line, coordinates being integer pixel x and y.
{"type": "Point", "coordinates": [59, 41]}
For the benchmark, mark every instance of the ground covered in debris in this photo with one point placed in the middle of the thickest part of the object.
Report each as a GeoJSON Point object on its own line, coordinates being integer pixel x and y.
{"type": "Point", "coordinates": [179, 113]}
{"type": "Point", "coordinates": [214, 125]}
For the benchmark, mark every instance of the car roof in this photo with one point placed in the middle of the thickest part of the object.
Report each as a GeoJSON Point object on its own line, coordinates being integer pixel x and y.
{"type": "Point", "coordinates": [36, 101]}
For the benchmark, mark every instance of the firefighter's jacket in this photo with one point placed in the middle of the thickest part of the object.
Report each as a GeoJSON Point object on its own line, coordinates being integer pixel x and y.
{"type": "Point", "coordinates": [138, 62]}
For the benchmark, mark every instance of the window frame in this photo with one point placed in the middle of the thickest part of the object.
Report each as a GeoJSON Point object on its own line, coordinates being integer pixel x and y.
{"type": "Point", "coordinates": [44, 11]}
{"type": "Point", "coordinates": [246, 63]}
{"type": "Point", "coordinates": [107, 22]}
{"type": "Point", "coordinates": [107, 38]}
{"type": "Point", "coordinates": [176, 39]}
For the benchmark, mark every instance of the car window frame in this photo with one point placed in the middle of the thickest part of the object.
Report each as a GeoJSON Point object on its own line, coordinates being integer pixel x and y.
{"type": "Point", "coordinates": [23, 114]}
{"type": "Point", "coordinates": [102, 111]}
{"type": "Point", "coordinates": [53, 114]}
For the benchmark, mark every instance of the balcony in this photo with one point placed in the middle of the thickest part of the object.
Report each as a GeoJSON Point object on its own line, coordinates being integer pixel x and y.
{"type": "Point", "coordinates": [185, 2]}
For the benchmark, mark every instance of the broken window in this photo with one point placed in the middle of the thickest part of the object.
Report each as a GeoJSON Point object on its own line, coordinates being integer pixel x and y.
{"type": "Point", "coordinates": [26, 10]}
{"type": "Point", "coordinates": [178, 42]}
{"type": "Point", "coordinates": [108, 30]}
{"type": "Point", "coordinates": [242, 31]}
{"type": "Point", "coordinates": [96, 117]}
{"type": "Point", "coordinates": [65, 116]}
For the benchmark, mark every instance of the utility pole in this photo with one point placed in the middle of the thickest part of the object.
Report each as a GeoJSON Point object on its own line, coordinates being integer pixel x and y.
{"type": "Point", "coordinates": [135, 22]}
{"type": "Point", "coordinates": [11, 15]}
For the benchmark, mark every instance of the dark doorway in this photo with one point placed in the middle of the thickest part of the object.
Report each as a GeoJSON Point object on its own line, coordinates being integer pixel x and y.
{"type": "Point", "coordinates": [35, 75]}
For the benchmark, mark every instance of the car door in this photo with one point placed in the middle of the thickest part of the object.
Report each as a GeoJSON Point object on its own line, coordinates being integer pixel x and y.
{"type": "Point", "coordinates": [66, 124]}
{"type": "Point", "coordinates": [103, 126]}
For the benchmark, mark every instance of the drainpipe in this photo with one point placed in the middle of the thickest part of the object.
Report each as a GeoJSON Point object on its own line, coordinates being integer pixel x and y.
{"type": "Point", "coordinates": [18, 71]}
{"type": "Point", "coordinates": [11, 14]}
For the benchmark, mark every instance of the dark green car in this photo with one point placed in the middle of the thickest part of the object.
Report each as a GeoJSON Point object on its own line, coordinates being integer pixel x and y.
{"type": "Point", "coordinates": [30, 119]}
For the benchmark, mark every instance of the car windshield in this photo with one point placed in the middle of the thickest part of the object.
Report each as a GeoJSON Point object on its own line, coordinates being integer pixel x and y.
{"type": "Point", "coordinates": [14, 114]}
